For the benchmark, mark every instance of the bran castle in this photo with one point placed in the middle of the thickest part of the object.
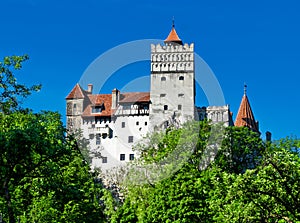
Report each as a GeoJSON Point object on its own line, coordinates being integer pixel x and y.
{"type": "Point", "coordinates": [114, 122]}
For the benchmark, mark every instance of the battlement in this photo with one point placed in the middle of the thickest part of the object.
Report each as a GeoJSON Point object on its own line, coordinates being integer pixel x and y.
{"type": "Point", "coordinates": [172, 48]}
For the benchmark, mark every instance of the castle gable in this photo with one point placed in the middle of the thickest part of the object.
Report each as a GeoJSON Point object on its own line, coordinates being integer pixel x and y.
{"type": "Point", "coordinates": [76, 93]}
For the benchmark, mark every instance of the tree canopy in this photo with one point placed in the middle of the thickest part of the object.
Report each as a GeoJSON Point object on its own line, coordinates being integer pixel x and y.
{"type": "Point", "coordinates": [249, 180]}
{"type": "Point", "coordinates": [197, 173]}
{"type": "Point", "coordinates": [11, 92]}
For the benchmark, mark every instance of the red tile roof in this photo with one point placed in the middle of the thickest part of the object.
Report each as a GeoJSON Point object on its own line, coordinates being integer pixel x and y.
{"type": "Point", "coordinates": [76, 93]}
{"type": "Point", "coordinates": [173, 37]}
{"type": "Point", "coordinates": [104, 100]}
{"type": "Point", "coordinates": [98, 99]}
{"type": "Point", "coordinates": [135, 97]}
{"type": "Point", "coordinates": [245, 115]}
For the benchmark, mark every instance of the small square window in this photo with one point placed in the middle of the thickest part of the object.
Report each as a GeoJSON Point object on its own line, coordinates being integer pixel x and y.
{"type": "Point", "coordinates": [123, 124]}
{"type": "Point", "coordinates": [163, 78]}
{"type": "Point", "coordinates": [137, 123]}
{"type": "Point", "coordinates": [130, 139]}
{"type": "Point", "coordinates": [165, 107]}
{"type": "Point", "coordinates": [162, 95]}
{"type": "Point", "coordinates": [97, 141]}
{"type": "Point", "coordinates": [146, 123]}
{"type": "Point", "coordinates": [179, 107]}
{"type": "Point", "coordinates": [131, 156]}
{"type": "Point", "coordinates": [181, 95]}
{"type": "Point", "coordinates": [122, 157]}
{"type": "Point", "coordinates": [181, 78]}
{"type": "Point", "coordinates": [104, 159]}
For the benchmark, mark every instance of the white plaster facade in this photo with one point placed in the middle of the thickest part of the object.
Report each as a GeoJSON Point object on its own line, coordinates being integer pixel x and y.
{"type": "Point", "coordinates": [113, 123]}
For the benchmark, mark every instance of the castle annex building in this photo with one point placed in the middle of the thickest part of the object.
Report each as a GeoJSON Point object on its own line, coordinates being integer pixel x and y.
{"type": "Point", "coordinates": [114, 122]}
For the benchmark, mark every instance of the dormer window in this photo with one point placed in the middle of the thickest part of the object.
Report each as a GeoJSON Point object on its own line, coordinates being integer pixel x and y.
{"type": "Point", "coordinates": [96, 109]}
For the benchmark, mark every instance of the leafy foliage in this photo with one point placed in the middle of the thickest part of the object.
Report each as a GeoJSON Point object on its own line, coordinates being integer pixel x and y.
{"type": "Point", "coordinates": [10, 90]}
{"type": "Point", "coordinates": [44, 177]}
{"type": "Point", "coordinates": [248, 181]}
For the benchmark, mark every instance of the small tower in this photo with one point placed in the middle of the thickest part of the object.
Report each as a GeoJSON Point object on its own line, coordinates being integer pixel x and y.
{"type": "Point", "coordinates": [172, 92]}
{"type": "Point", "coordinates": [75, 105]}
{"type": "Point", "coordinates": [245, 115]}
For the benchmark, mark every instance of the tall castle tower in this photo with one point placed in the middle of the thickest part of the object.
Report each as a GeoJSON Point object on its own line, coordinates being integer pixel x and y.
{"type": "Point", "coordinates": [172, 92]}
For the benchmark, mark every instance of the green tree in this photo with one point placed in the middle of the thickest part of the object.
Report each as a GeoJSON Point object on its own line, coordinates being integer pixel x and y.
{"type": "Point", "coordinates": [241, 149]}
{"type": "Point", "coordinates": [10, 90]}
{"type": "Point", "coordinates": [248, 181]}
{"type": "Point", "coordinates": [267, 193]}
{"type": "Point", "coordinates": [40, 167]}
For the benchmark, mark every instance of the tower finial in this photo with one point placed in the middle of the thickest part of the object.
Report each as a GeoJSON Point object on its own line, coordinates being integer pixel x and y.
{"type": "Point", "coordinates": [173, 22]}
{"type": "Point", "coordinates": [245, 88]}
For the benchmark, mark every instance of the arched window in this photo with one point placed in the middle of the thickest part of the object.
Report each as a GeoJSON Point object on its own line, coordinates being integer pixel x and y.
{"type": "Point", "coordinates": [165, 107]}
{"type": "Point", "coordinates": [163, 78]}
{"type": "Point", "coordinates": [181, 78]}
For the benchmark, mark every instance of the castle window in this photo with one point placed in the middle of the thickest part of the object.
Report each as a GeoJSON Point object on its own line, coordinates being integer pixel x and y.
{"type": "Point", "coordinates": [97, 139]}
{"type": "Point", "coordinates": [130, 139]}
{"type": "Point", "coordinates": [104, 159]}
{"type": "Point", "coordinates": [122, 157]}
{"type": "Point", "coordinates": [181, 95]}
{"type": "Point", "coordinates": [96, 109]}
{"type": "Point", "coordinates": [181, 78]}
{"type": "Point", "coordinates": [123, 124]}
{"type": "Point", "coordinates": [104, 135]}
{"type": "Point", "coordinates": [131, 156]}
{"type": "Point", "coordinates": [165, 107]}
{"type": "Point", "coordinates": [162, 95]}
{"type": "Point", "coordinates": [163, 78]}
{"type": "Point", "coordinates": [126, 107]}
{"type": "Point", "coordinates": [74, 108]}
{"type": "Point", "coordinates": [179, 107]}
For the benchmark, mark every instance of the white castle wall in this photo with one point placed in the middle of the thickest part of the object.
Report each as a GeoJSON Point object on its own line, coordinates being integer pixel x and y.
{"type": "Point", "coordinates": [116, 141]}
{"type": "Point", "coordinates": [172, 84]}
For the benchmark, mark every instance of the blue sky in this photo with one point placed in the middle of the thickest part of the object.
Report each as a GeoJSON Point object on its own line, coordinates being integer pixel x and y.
{"type": "Point", "coordinates": [256, 42]}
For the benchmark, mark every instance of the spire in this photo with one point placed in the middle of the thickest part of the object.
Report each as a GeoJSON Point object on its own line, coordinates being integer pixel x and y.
{"type": "Point", "coordinates": [245, 89]}
{"type": "Point", "coordinates": [173, 22]}
{"type": "Point", "coordinates": [173, 37]}
{"type": "Point", "coordinates": [245, 115]}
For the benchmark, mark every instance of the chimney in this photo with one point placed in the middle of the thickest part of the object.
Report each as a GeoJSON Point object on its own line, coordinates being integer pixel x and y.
{"type": "Point", "coordinates": [268, 136]}
{"type": "Point", "coordinates": [115, 96]}
{"type": "Point", "coordinates": [90, 88]}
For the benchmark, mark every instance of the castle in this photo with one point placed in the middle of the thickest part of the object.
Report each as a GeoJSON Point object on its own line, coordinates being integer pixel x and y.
{"type": "Point", "coordinates": [114, 122]}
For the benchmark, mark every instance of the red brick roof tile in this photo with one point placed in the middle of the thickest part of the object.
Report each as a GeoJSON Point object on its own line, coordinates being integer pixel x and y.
{"type": "Point", "coordinates": [133, 97]}
{"type": "Point", "coordinates": [76, 93]}
{"type": "Point", "coordinates": [245, 115]}
{"type": "Point", "coordinates": [173, 37]}
{"type": "Point", "coordinates": [97, 100]}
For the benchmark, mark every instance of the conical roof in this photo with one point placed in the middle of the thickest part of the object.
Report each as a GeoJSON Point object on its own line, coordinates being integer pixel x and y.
{"type": "Point", "coordinates": [76, 93]}
{"type": "Point", "coordinates": [245, 115]}
{"type": "Point", "coordinates": [173, 37]}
